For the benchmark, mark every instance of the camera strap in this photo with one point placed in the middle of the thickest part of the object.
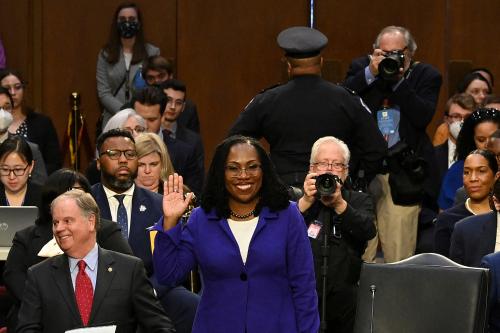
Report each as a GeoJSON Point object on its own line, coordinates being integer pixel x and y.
{"type": "Point", "coordinates": [410, 69]}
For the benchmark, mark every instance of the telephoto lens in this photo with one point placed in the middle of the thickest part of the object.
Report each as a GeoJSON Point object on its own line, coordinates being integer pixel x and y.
{"type": "Point", "coordinates": [388, 68]}
{"type": "Point", "coordinates": [326, 184]}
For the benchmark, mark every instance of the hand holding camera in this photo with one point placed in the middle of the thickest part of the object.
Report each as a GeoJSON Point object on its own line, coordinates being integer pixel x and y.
{"type": "Point", "coordinates": [390, 66]}
{"type": "Point", "coordinates": [325, 187]}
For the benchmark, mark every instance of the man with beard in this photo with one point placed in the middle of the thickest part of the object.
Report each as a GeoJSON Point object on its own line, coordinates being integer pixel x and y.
{"type": "Point", "coordinates": [135, 209]}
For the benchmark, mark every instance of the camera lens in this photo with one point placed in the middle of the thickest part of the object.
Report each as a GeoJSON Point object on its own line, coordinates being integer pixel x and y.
{"type": "Point", "coordinates": [326, 184]}
{"type": "Point", "coordinates": [390, 65]}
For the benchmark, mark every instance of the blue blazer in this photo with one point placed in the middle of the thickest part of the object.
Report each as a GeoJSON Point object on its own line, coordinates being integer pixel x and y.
{"type": "Point", "coordinates": [274, 292]}
{"type": "Point", "coordinates": [146, 210]}
{"type": "Point", "coordinates": [492, 261]}
{"type": "Point", "coordinates": [473, 238]}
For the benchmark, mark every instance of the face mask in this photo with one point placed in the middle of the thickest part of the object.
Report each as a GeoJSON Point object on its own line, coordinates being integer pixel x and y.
{"type": "Point", "coordinates": [128, 29]}
{"type": "Point", "coordinates": [5, 120]}
{"type": "Point", "coordinates": [455, 128]}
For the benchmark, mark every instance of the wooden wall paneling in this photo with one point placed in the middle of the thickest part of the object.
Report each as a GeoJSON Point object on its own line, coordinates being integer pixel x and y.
{"type": "Point", "coordinates": [227, 53]}
{"type": "Point", "coordinates": [474, 33]}
{"type": "Point", "coordinates": [352, 27]}
{"type": "Point", "coordinates": [16, 32]}
{"type": "Point", "coordinates": [73, 34]}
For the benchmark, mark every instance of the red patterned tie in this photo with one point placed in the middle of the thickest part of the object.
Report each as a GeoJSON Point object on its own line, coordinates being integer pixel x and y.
{"type": "Point", "coordinates": [84, 292]}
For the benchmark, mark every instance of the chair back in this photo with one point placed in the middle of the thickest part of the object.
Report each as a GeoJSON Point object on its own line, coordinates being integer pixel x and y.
{"type": "Point", "coordinates": [425, 293]}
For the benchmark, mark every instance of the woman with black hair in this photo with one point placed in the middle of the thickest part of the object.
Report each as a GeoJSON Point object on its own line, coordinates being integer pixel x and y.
{"type": "Point", "coordinates": [16, 165]}
{"type": "Point", "coordinates": [32, 126]}
{"type": "Point", "coordinates": [35, 243]}
{"type": "Point", "coordinates": [249, 241]}
{"type": "Point", "coordinates": [474, 134]}
{"type": "Point", "coordinates": [479, 175]}
{"type": "Point", "coordinates": [120, 61]}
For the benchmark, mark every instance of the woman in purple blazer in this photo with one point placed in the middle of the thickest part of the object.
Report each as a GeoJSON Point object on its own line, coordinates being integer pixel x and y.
{"type": "Point", "coordinates": [249, 241]}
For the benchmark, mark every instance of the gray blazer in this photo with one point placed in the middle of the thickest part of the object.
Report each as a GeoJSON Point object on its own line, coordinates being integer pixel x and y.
{"type": "Point", "coordinates": [110, 76]}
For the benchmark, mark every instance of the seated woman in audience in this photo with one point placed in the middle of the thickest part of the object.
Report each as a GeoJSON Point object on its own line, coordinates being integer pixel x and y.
{"type": "Point", "coordinates": [474, 134]}
{"type": "Point", "coordinates": [33, 244]}
{"type": "Point", "coordinates": [126, 119]}
{"type": "Point", "coordinates": [474, 84]}
{"type": "Point", "coordinates": [249, 241]}
{"type": "Point", "coordinates": [33, 126]}
{"type": "Point", "coordinates": [119, 62]}
{"type": "Point", "coordinates": [16, 165]}
{"type": "Point", "coordinates": [154, 164]}
{"type": "Point", "coordinates": [479, 172]}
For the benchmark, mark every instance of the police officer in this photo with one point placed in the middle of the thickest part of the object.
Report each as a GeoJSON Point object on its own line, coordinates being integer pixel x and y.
{"type": "Point", "coordinates": [292, 116]}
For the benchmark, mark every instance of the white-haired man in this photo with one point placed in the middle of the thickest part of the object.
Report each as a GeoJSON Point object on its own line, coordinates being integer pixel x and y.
{"type": "Point", "coordinates": [347, 218]}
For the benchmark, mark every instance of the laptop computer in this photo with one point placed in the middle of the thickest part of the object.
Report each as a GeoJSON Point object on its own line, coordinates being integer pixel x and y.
{"type": "Point", "coordinates": [13, 219]}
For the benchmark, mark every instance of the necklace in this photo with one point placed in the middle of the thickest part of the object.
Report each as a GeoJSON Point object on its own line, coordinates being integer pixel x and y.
{"type": "Point", "coordinates": [244, 216]}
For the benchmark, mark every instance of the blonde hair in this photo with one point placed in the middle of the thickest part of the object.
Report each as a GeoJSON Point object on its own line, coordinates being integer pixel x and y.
{"type": "Point", "coordinates": [148, 143]}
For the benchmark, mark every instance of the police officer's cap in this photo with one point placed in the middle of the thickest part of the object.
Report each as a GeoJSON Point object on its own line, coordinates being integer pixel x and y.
{"type": "Point", "coordinates": [302, 42]}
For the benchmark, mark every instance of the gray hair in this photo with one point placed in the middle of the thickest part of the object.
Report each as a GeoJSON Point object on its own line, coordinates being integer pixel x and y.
{"type": "Point", "coordinates": [330, 139]}
{"type": "Point", "coordinates": [121, 117]}
{"type": "Point", "coordinates": [84, 201]}
{"type": "Point", "coordinates": [409, 41]}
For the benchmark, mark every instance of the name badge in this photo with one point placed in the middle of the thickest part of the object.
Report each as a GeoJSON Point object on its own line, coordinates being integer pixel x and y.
{"type": "Point", "coordinates": [314, 229]}
{"type": "Point", "coordinates": [386, 121]}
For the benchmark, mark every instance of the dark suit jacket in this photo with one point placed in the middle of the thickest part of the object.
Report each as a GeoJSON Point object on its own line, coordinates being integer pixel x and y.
{"type": "Point", "coordinates": [445, 223]}
{"type": "Point", "coordinates": [189, 117]}
{"type": "Point", "coordinates": [492, 262]}
{"type": "Point", "coordinates": [186, 163]}
{"type": "Point", "coordinates": [417, 97]}
{"type": "Point", "coordinates": [194, 139]}
{"type": "Point", "coordinates": [24, 254]}
{"type": "Point", "coordinates": [146, 211]}
{"type": "Point", "coordinates": [123, 296]}
{"type": "Point", "coordinates": [31, 198]}
{"type": "Point", "coordinates": [473, 238]}
{"type": "Point", "coordinates": [41, 131]}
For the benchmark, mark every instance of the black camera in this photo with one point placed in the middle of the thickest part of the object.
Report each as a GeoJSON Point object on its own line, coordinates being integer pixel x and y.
{"type": "Point", "coordinates": [326, 184]}
{"type": "Point", "coordinates": [388, 68]}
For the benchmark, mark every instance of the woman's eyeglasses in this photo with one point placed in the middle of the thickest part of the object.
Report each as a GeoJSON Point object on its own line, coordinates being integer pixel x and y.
{"type": "Point", "coordinates": [17, 171]}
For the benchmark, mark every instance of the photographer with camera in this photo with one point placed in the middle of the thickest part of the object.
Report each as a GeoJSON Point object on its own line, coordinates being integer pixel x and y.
{"type": "Point", "coordinates": [402, 95]}
{"type": "Point", "coordinates": [347, 219]}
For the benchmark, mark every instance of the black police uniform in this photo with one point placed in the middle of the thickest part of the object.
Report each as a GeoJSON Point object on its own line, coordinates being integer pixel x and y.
{"type": "Point", "coordinates": [292, 116]}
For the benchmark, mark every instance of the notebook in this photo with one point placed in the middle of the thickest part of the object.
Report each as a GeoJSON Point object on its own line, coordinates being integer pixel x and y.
{"type": "Point", "coordinates": [13, 219]}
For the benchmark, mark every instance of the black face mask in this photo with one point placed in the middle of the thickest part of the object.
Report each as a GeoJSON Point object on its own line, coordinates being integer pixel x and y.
{"type": "Point", "coordinates": [128, 29]}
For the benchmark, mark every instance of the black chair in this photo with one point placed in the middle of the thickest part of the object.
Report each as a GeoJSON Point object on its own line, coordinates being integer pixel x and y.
{"type": "Point", "coordinates": [427, 293]}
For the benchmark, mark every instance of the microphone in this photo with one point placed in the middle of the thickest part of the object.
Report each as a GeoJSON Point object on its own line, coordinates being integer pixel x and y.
{"type": "Point", "coordinates": [373, 289]}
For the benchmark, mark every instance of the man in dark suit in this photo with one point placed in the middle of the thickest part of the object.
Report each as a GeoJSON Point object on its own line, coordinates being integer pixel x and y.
{"type": "Point", "coordinates": [157, 70]}
{"type": "Point", "coordinates": [87, 285]}
{"type": "Point", "coordinates": [402, 95]}
{"type": "Point", "coordinates": [476, 236]}
{"type": "Point", "coordinates": [176, 103]}
{"type": "Point", "coordinates": [150, 103]}
{"type": "Point", "coordinates": [458, 107]}
{"type": "Point", "coordinates": [135, 209]}
{"type": "Point", "coordinates": [347, 217]}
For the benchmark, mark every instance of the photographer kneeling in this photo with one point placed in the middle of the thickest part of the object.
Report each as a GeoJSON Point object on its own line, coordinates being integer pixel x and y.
{"type": "Point", "coordinates": [347, 217]}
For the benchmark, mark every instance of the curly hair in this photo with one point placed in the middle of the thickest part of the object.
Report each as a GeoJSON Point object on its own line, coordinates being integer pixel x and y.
{"type": "Point", "coordinates": [465, 140]}
{"type": "Point", "coordinates": [273, 193]}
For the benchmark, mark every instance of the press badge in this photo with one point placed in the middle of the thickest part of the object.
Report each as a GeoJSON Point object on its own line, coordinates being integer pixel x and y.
{"type": "Point", "coordinates": [314, 229]}
{"type": "Point", "coordinates": [386, 121]}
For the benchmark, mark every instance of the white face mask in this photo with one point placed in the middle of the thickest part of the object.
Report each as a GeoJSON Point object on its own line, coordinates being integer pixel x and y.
{"type": "Point", "coordinates": [455, 128]}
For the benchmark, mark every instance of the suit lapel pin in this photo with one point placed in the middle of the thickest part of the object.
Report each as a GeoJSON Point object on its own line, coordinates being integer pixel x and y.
{"type": "Point", "coordinates": [110, 269]}
{"type": "Point", "coordinates": [142, 208]}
